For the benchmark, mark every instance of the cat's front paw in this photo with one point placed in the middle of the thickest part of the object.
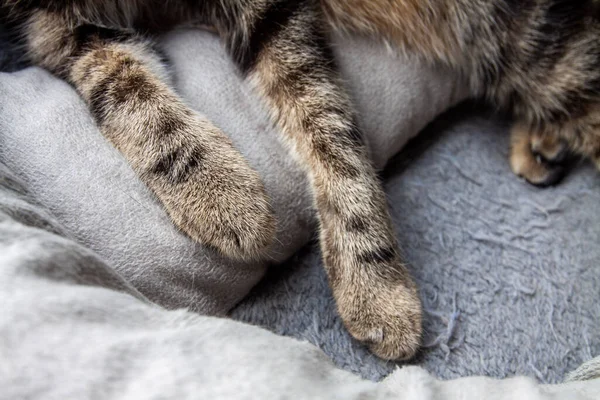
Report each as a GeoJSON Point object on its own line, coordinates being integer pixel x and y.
{"type": "Point", "coordinates": [228, 210]}
{"type": "Point", "coordinates": [390, 325]}
{"type": "Point", "coordinates": [213, 195]}
{"type": "Point", "coordinates": [384, 313]}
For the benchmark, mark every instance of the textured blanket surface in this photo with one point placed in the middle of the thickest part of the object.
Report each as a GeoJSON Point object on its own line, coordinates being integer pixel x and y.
{"type": "Point", "coordinates": [508, 273]}
{"type": "Point", "coordinates": [73, 328]}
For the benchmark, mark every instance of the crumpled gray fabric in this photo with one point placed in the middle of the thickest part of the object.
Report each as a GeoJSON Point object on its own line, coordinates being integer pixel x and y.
{"type": "Point", "coordinates": [73, 328]}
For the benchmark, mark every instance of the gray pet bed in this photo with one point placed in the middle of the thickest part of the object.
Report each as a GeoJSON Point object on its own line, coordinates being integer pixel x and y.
{"type": "Point", "coordinates": [508, 273]}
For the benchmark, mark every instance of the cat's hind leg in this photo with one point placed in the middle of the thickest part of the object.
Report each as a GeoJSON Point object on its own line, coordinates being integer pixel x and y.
{"type": "Point", "coordinates": [206, 186]}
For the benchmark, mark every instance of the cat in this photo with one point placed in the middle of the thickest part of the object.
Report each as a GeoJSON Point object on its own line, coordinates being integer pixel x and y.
{"type": "Point", "coordinates": [538, 59]}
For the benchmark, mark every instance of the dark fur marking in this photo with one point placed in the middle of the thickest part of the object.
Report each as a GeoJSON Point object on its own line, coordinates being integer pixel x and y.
{"type": "Point", "coordinates": [381, 255]}
{"type": "Point", "coordinates": [562, 22]}
{"type": "Point", "coordinates": [357, 224]}
{"type": "Point", "coordinates": [177, 165]}
{"type": "Point", "coordinates": [329, 153]}
{"type": "Point", "coordinates": [318, 63]}
{"type": "Point", "coordinates": [100, 95]}
{"type": "Point", "coordinates": [133, 85]}
{"type": "Point", "coordinates": [165, 164]}
{"type": "Point", "coordinates": [267, 26]}
{"type": "Point", "coordinates": [85, 34]}
{"type": "Point", "coordinates": [169, 123]}
{"type": "Point", "coordinates": [99, 98]}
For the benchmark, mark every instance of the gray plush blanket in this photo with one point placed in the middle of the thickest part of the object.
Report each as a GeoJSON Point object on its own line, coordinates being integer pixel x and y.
{"type": "Point", "coordinates": [73, 328]}
{"type": "Point", "coordinates": [508, 273]}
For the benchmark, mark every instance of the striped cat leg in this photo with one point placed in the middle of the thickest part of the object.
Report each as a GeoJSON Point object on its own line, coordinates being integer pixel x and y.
{"type": "Point", "coordinates": [206, 186]}
{"type": "Point", "coordinates": [288, 60]}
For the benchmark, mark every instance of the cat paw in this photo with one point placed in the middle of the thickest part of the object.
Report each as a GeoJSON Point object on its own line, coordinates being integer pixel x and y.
{"type": "Point", "coordinates": [213, 195]}
{"type": "Point", "coordinates": [540, 159]}
{"type": "Point", "coordinates": [385, 315]}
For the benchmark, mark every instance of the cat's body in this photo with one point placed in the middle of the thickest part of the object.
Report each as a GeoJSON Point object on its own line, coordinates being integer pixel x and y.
{"type": "Point", "coordinates": [538, 58]}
